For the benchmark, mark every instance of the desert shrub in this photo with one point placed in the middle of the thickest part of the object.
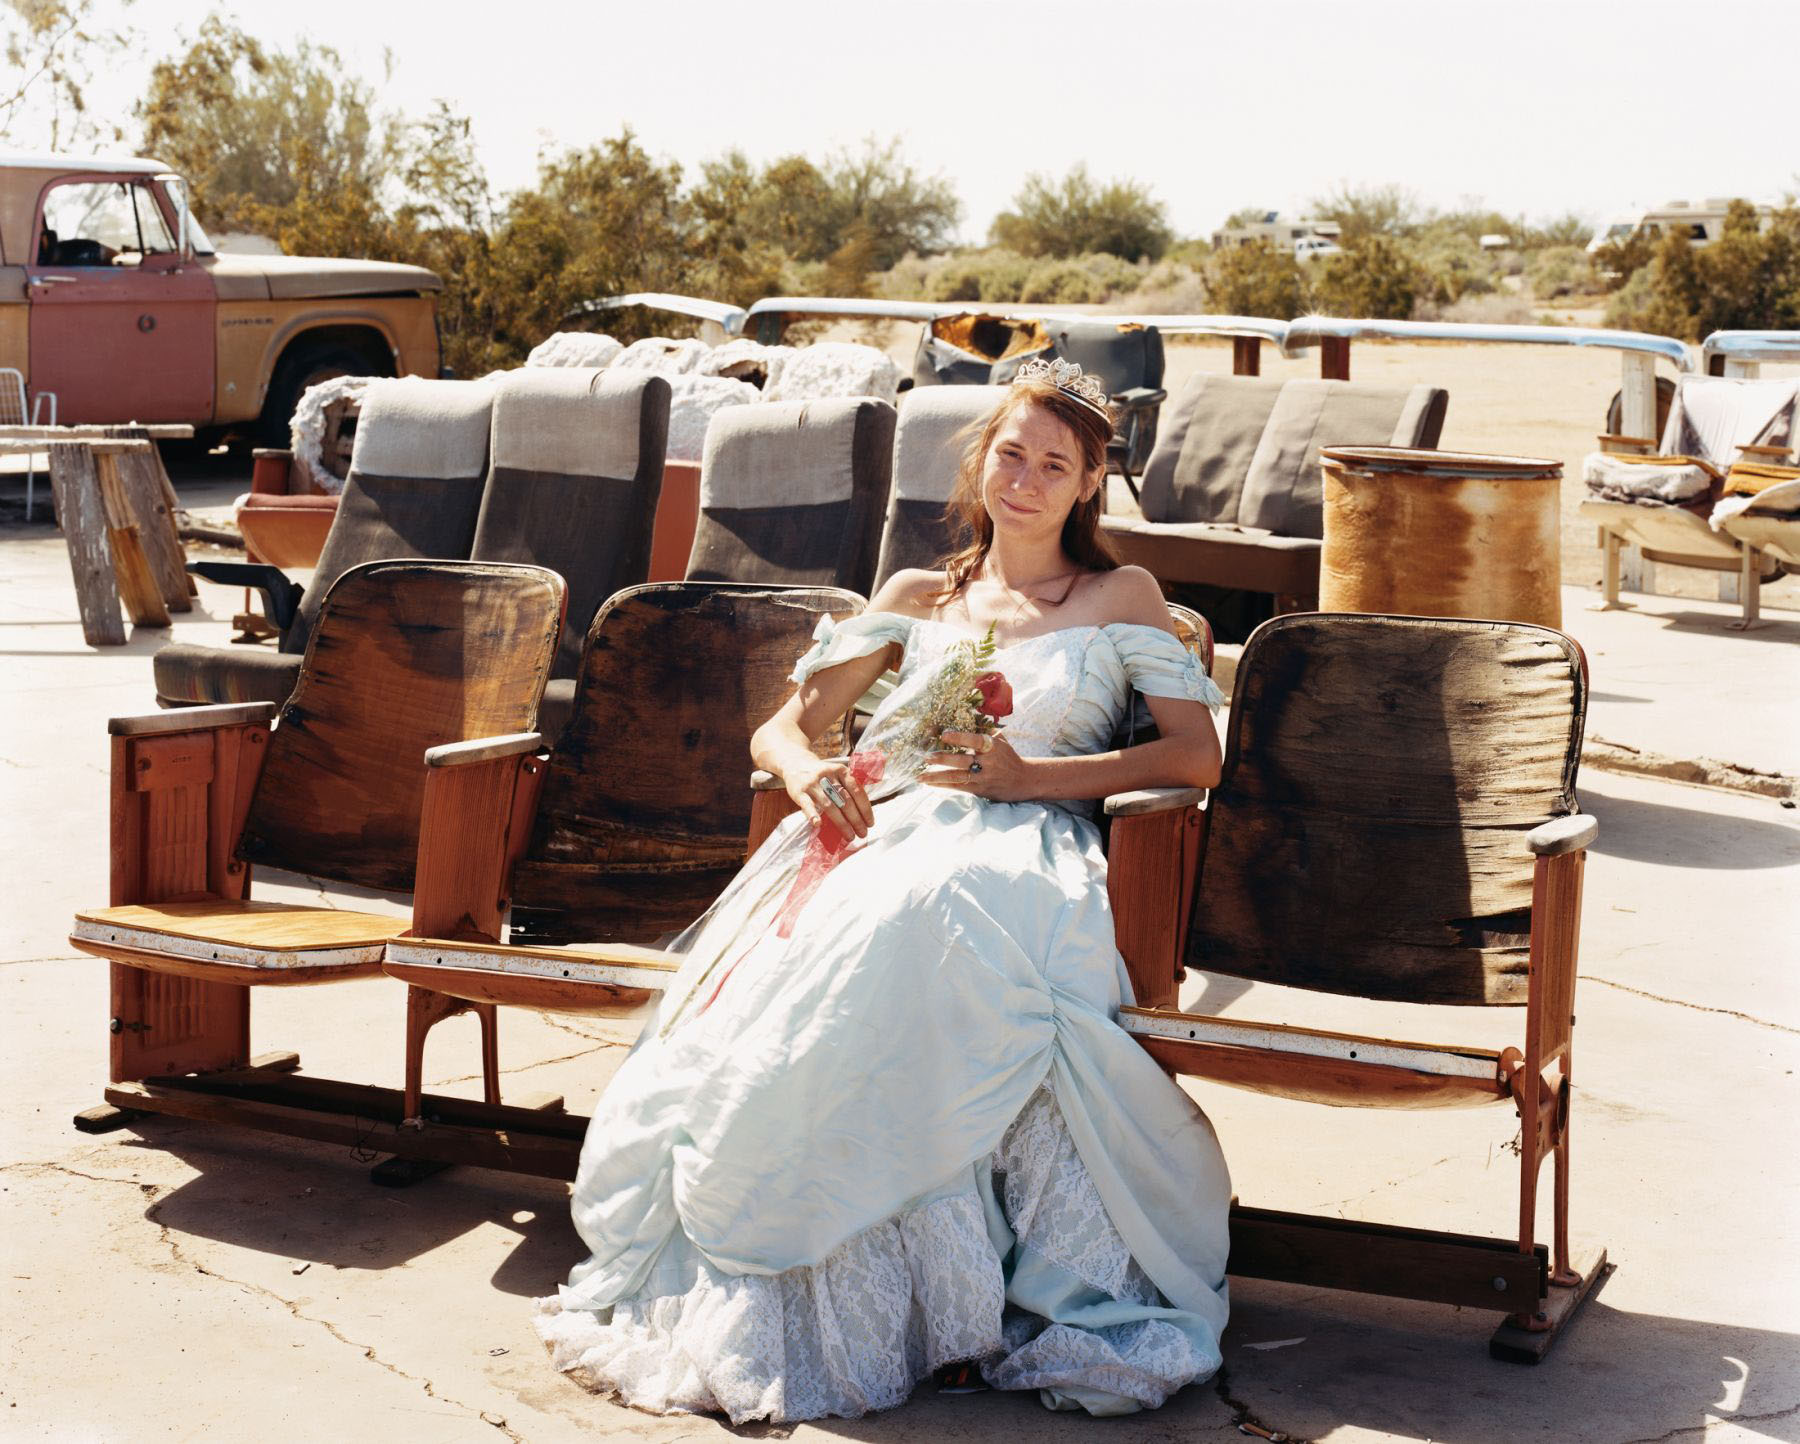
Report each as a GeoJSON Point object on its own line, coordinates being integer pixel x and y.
{"type": "Point", "coordinates": [1559, 271]}
{"type": "Point", "coordinates": [1255, 280]}
{"type": "Point", "coordinates": [1628, 308]}
{"type": "Point", "coordinates": [1568, 229]}
{"type": "Point", "coordinates": [904, 280]}
{"type": "Point", "coordinates": [1363, 211]}
{"type": "Point", "coordinates": [1078, 215]}
{"type": "Point", "coordinates": [1749, 279]}
{"type": "Point", "coordinates": [1168, 288]}
{"type": "Point", "coordinates": [1081, 280]}
{"type": "Point", "coordinates": [1192, 252]}
{"type": "Point", "coordinates": [1616, 262]}
{"type": "Point", "coordinates": [1491, 308]}
{"type": "Point", "coordinates": [1451, 265]}
{"type": "Point", "coordinates": [991, 275]}
{"type": "Point", "coordinates": [1373, 277]}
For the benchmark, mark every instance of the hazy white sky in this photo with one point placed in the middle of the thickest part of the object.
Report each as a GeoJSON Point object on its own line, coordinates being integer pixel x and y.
{"type": "Point", "coordinates": [1533, 107]}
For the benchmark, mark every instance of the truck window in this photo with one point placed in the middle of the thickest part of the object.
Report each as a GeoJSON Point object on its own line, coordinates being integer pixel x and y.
{"type": "Point", "coordinates": [101, 223]}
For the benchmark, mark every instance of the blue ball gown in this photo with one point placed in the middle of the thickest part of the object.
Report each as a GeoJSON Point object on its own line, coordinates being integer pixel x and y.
{"type": "Point", "coordinates": [909, 1132]}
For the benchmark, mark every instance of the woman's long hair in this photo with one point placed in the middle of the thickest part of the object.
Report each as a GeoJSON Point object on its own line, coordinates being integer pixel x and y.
{"type": "Point", "coordinates": [1082, 538]}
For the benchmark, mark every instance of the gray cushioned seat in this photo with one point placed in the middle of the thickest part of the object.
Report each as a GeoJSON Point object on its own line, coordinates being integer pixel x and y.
{"type": "Point", "coordinates": [573, 484]}
{"type": "Point", "coordinates": [413, 491]}
{"type": "Point", "coordinates": [792, 493]}
{"type": "Point", "coordinates": [1231, 494]}
{"type": "Point", "coordinates": [929, 440]}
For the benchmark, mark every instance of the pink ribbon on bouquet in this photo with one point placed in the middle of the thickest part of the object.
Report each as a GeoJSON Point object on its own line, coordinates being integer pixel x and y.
{"type": "Point", "coordinates": [827, 846]}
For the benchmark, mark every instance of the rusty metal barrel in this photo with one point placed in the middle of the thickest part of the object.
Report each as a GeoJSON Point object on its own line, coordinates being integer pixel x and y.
{"type": "Point", "coordinates": [1441, 534]}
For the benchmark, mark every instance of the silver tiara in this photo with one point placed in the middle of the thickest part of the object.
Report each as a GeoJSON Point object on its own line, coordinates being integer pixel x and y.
{"type": "Point", "coordinates": [1066, 377]}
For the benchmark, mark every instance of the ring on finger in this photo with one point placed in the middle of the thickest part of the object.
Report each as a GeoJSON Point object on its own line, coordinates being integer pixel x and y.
{"type": "Point", "coordinates": [974, 767]}
{"type": "Point", "coordinates": [834, 794]}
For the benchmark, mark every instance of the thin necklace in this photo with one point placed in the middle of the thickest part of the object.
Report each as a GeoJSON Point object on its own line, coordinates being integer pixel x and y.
{"type": "Point", "coordinates": [1025, 597]}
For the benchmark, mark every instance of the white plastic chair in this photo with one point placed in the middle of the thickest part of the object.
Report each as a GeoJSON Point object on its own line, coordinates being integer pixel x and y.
{"type": "Point", "coordinates": [13, 412]}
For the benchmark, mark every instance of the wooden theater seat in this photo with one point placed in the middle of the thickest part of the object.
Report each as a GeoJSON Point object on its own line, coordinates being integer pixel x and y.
{"type": "Point", "coordinates": [403, 656]}
{"type": "Point", "coordinates": [612, 980]}
{"type": "Point", "coordinates": [1396, 820]}
{"type": "Point", "coordinates": [625, 833]}
{"type": "Point", "coordinates": [235, 940]}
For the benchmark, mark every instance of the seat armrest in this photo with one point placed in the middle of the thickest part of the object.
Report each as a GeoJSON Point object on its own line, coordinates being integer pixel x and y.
{"type": "Point", "coordinates": [762, 780]}
{"type": "Point", "coordinates": [1139, 396]}
{"type": "Point", "coordinates": [1141, 801]}
{"type": "Point", "coordinates": [1563, 835]}
{"type": "Point", "coordinates": [483, 749]}
{"type": "Point", "coordinates": [283, 595]}
{"type": "Point", "coordinates": [192, 719]}
{"type": "Point", "coordinates": [1614, 445]}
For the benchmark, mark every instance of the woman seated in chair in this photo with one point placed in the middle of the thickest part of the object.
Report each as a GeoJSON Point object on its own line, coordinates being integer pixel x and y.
{"type": "Point", "coordinates": [883, 1124]}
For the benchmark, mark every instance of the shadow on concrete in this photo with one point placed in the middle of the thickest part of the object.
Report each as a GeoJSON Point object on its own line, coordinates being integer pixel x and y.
{"type": "Point", "coordinates": [1776, 627]}
{"type": "Point", "coordinates": [313, 1202]}
{"type": "Point", "coordinates": [1421, 1371]}
{"type": "Point", "coordinates": [1657, 832]}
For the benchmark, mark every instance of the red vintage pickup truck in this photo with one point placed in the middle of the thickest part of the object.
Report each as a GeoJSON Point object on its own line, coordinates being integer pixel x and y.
{"type": "Point", "coordinates": [113, 299]}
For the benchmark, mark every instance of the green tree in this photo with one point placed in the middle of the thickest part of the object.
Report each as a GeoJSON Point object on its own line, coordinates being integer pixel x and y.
{"type": "Point", "coordinates": [254, 129]}
{"type": "Point", "coordinates": [1374, 276]}
{"type": "Point", "coordinates": [1255, 280]}
{"type": "Point", "coordinates": [1749, 279]}
{"type": "Point", "coordinates": [1077, 215]}
{"type": "Point", "coordinates": [53, 49]}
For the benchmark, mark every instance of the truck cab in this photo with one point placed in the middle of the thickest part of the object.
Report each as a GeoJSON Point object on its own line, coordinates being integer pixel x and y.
{"type": "Point", "coordinates": [113, 299]}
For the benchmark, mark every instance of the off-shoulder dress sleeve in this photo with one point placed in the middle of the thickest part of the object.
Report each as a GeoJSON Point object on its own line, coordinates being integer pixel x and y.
{"type": "Point", "coordinates": [1157, 665]}
{"type": "Point", "coordinates": [835, 642]}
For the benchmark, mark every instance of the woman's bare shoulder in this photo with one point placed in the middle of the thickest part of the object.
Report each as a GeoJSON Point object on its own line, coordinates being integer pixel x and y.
{"type": "Point", "coordinates": [909, 592]}
{"type": "Point", "coordinates": [1128, 594]}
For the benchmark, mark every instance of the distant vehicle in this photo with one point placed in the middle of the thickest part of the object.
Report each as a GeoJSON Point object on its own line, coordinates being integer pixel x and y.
{"type": "Point", "coordinates": [1702, 222]}
{"type": "Point", "coordinates": [1284, 233]}
{"type": "Point", "coordinates": [113, 299]}
{"type": "Point", "coordinates": [1311, 248]}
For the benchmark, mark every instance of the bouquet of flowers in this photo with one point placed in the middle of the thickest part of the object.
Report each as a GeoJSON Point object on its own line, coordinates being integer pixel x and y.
{"type": "Point", "coordinates": [964, 696]}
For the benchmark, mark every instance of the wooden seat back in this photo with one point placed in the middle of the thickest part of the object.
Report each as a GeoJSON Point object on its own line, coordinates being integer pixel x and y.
{"type": "Point", "coordinates": [1367, 834]}
{"type": "Point", "coordinates": [643, 814]}
{"type": "Point", "coordinates": [404, 655]}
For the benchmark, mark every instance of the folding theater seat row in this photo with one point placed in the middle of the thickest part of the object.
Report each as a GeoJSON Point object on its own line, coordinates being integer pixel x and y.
{"type": "Point", "coordinates": [548, 467]}
{"type": "Point", "coordinates": [1231, 494]}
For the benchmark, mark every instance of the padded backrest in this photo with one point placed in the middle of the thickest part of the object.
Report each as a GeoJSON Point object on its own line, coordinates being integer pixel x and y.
{"type": "Point", "coordinates": [1244, 450]}
{"type": "Point", "coordinates": [792, 493]}
{"type": "Point", "coordinates": [1368, 833]}
{"type": "Point", "coordinates": [1204, 445]}
{"type": "Point", "coordinates": [1712, 416]}
{"type": "Point", "coordinates": [414, 487]}
{"type": "Point", "coordinates": [1122, 356]}
{"type": "Point", "coordinates": [1282, 488]}
{"type": "Point", "coordinates": [935, 428]}
{"type": "Point", "coordinates": [576, 470]}
{"type": "Point", "coordinates": [404, 655]}
{"type": "Point", "coordinates": [645, 809]}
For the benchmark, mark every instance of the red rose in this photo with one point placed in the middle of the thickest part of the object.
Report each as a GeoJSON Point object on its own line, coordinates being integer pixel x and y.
{"type": "Point", "coordinates": [996, 695]}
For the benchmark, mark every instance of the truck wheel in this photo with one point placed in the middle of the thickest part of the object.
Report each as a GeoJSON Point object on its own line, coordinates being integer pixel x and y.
{"type": "Point", "coordinates": [306, 366]}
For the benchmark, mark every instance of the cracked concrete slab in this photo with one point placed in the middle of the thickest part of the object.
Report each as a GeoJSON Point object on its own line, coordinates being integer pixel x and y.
{"type": "Point", "coordinates": [175, 1280]}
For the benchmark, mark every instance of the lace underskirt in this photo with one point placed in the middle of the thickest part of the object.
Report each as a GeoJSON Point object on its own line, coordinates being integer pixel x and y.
{"type": "Point", "coordinates": [888, 1308]}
